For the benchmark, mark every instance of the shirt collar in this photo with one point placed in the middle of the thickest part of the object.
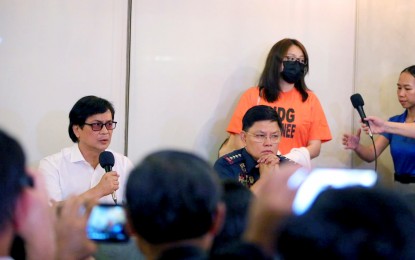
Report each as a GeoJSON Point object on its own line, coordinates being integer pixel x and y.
{"type": "Point", "coordinates": [76, 155]}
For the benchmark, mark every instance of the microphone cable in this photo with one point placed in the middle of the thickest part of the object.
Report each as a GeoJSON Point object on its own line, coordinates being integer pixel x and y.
{"type": "Point", "coordinates": [374, 146]}
{"type": "Point", "coordinates": [374, 149]}
{"type": "Point", "coordinates": [373, 143]}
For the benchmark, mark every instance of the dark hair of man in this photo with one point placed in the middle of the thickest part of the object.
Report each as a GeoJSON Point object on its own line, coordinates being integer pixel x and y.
{"type": "Point", "coordinates": [12, 173]}
{"type": "Point", "coordinates": [410, 70]}
{"type": "Point", "coordinates": [172, 196]}
{"type": "Point", "coordinates": [237, 199]}
{"type": "Point", "coordinates": [269, 81]}
{"type": "Point", "coordinates": [351, 223]}
{"type": "Point", "coordinates": [260, 113]}
{"type": "Point", "coordinates": [84, 108]}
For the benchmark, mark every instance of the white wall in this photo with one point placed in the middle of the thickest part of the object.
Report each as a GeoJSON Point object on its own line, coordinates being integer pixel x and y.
{"type": "Point", "coordinates": [191, 61]}
{"type": "Point", "coordinates": [51, 54]}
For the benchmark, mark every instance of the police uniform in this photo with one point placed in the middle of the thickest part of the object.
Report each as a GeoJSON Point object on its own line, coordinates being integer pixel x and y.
{"type": "Point", "coordinates": [238, 165]}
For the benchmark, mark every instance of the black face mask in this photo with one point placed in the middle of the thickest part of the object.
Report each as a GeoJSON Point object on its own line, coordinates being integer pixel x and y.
{"type": "Point", "coordinates": [293, 71]}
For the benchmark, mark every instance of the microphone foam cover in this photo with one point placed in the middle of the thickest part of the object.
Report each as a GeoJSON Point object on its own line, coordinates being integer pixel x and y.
{"type": "Point", "coordinates": [106, 159]}
{"type": "Point", "coordinates": [357, 100]}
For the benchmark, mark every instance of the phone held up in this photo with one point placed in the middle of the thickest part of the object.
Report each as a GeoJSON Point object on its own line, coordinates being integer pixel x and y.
{"type": "Point", "coordinates": [107, 223]}
{"type": "Point", "coordinates": [312, 184]}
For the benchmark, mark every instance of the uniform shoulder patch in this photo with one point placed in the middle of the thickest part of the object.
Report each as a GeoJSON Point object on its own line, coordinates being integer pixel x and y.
{"type": "Point", "coordinates": [233, 158]}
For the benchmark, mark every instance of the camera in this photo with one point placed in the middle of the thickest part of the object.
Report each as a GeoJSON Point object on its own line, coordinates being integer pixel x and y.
{"type": "Point", "coordinates": [312, 184]}
{"type": "Point", "coordinates": [107, 223]}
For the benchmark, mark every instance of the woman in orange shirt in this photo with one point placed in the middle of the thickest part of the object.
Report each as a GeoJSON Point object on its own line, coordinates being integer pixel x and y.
{"type": "Point", "coordinates": [282, 87]}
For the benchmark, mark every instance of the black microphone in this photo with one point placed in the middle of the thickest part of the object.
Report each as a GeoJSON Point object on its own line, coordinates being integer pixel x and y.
{"type": "Point", "coordinates": [358, 103]}
{"type": "Point", "coordinates": [106, 160]}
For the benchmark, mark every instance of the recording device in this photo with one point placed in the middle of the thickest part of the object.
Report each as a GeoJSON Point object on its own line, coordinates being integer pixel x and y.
{"type": "Point", "coordinates": [107, 223]}
{"type": "Point", "coordinates": [106, 160]}
{"type": "Point", "coordinates": [318, 180]}
{"type": "Point", "coordinates": [358, 103]}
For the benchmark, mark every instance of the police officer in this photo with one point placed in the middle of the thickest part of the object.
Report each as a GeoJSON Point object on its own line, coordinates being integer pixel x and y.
{"type": "Point", "coordinates": [261, 134]}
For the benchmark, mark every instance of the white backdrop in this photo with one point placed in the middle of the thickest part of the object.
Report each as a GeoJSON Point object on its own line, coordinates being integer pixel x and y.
{"type": "Point", "coordinates": [191, 61]}
{"type": "Point", "coordinates": [51, 54]}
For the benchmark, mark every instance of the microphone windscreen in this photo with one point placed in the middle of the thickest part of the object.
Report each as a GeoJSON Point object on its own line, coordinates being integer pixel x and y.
{"type": "Point", "coordinates": [357, 100]}
{"type": "Point", "coordinates": [106, 159]}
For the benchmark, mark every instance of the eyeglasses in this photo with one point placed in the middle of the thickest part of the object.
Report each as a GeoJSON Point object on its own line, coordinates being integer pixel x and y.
{"type": "Point", "coordinates": [97, 126]}
{"type": "Point", "coordinates": [292, 58]}
{"type": "Point", "coordinates": [260, 138]}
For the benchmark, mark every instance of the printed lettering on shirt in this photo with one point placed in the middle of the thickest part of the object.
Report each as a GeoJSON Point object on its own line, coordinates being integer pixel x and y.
{"type": "Point", "coordinates": [287, 117]}
{"type": "Point", "coordinates": [288, 130]}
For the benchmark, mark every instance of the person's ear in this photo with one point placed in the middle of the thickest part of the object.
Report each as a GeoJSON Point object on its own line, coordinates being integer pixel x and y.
{"type": "Point", "coordinates": [141, 243]}
{"type": "Point", "coordinates": [129, 226]}
{"type": "Point", "coordinates": [218, 219]}
{"type": "Point", "coordinates": [243, 137]}
{"type": "Point", "coordinates": [76, 129]}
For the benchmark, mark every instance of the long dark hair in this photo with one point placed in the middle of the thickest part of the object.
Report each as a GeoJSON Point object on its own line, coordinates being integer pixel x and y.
{"type": "Point", "coordinates": [269, 81]}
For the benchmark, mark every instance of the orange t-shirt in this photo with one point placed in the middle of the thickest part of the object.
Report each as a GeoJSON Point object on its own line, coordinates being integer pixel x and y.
{"type": "Point", "coordinates": [302, 121]}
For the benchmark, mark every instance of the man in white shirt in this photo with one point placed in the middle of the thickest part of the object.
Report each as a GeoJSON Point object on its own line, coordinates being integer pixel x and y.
{"type": "Point", "coordinates": [75, 170]}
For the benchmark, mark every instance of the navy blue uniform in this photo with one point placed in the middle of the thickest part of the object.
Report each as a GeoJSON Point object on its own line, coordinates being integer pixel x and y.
{"type": "Point", "coordinates": [238, 165]}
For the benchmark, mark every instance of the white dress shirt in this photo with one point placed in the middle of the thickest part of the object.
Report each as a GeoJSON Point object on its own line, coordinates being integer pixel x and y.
{"type": "Point", "coordinates": [68, 173]}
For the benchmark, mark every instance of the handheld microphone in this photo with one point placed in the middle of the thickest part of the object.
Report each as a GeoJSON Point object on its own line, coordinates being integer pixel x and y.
{"type": "Point", "coordinates": [358, 103]}
{"type": "Point", "coordinates": [106, 160]}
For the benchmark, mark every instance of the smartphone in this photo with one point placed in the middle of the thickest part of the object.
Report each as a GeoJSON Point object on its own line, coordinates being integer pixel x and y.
{"type": "Point", "coordinates": [319, 180]}
{"type": "Point", "coordinates": [107, 223]}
